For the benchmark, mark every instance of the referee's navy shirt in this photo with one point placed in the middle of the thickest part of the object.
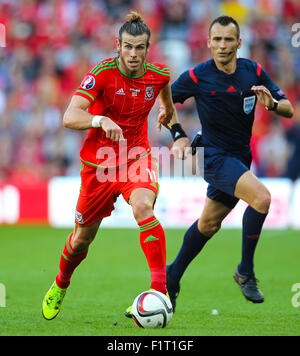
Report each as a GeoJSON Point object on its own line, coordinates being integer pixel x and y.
{"type": "Point", "coordinates": [225, 103]}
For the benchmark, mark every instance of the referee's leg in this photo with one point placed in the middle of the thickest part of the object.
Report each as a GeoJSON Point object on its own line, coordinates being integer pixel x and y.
{"type": "Point", "coordinates": [214, 212]}
{"type": "Point", "coordinates": [194, 240]}
{"type": "Point", "coordinates": [252, 191]}
{"type": "Point", "coordinates": [196, 237]}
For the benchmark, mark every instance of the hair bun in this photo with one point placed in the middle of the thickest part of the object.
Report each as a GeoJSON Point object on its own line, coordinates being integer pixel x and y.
{"type": "Point", "coordinates": [135, 17]}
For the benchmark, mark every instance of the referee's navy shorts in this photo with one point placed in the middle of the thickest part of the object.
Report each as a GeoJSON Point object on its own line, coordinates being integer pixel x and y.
{"type": "Point", "coordinates": [222, 171]}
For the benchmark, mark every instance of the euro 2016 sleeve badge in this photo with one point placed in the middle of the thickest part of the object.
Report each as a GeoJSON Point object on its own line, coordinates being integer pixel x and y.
{"type": "Point", "coordinates": [149, 93]}
{"type": "Point", "coordinates": [88, 82]}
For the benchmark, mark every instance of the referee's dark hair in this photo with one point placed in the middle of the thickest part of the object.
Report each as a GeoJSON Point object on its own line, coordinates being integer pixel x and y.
{"type": "Point", "coordinates": [135, 26]}
{"type": "Point", "coordinates": [225, 21]}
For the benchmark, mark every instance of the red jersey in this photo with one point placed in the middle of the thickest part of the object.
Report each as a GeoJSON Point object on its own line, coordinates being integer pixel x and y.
{"type": "Point", "coordinates": [125, 100]}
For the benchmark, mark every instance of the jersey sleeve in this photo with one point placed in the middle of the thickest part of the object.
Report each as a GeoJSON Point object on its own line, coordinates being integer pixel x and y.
{"type": "Point", "coordinates": [184, 87]}
{"type": "Point", "coordinates": [161, 70]}
{"type": "Point", "coordinates": [91, 85]}
{"type": "Point", "coordinates": [266, 80]}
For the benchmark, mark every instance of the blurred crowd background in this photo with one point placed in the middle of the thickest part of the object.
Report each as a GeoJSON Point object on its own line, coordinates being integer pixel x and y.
{"type": "Point", "coordinates": [50, 45]}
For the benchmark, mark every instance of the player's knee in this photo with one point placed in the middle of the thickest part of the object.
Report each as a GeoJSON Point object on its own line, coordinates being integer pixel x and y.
{"type": "Point", "coordinates": [142, 209]}
{"type": "Point", "coordinates": [209, 227]}
{"type": "Point", "coordinates": [262, 202]}
{"type": "Point", "coordinates": [81, 241]}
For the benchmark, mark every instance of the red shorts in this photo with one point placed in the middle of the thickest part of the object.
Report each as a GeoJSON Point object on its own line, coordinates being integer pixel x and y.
{"type": "Point", "coordinates": [100, 187]}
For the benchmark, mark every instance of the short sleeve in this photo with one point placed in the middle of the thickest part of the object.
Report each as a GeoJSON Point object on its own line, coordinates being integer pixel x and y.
{"type": "Point", "coordinates": [162, 70]}
{"type": "Point", "coordinates": [265, 79]}
{"type": "Point", "coordinates": [90, 86]}
{"type": "Point", "coordinates": [184, 87]}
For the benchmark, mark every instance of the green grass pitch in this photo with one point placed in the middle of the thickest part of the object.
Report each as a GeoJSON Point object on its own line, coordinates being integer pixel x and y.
{"type": "Point", "coordinates": [115, 271]}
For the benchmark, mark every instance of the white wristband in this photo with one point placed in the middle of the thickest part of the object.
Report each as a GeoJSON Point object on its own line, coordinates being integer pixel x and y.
{"type": "Point", "coordinates": [96, 122]}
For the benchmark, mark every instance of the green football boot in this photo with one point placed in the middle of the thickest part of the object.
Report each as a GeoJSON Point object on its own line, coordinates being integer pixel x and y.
{"type": "Point", "coordinates": [52, 302]}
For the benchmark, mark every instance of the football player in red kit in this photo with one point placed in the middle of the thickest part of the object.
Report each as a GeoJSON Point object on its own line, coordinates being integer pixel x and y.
{"type": "Point", "coordinates": [113, 102]}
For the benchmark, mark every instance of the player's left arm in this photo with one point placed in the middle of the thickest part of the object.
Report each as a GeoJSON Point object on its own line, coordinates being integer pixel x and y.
{"type": "Point", "coordinates": [166, 108]}
{"type": "Point", "coordinates": [282, 107]}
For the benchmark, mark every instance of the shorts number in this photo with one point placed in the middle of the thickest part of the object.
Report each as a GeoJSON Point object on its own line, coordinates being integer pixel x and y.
{"type": "Point", "coordinates": [152, 175]}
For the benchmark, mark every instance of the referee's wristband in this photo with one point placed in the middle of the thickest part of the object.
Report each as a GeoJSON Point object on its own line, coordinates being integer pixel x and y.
{"type": "Point", "coordinates": [177, 132]}
{"type": "Point", "coordinates": [274, 108]}
{"type": "Point", "coordinates": [96, 121]}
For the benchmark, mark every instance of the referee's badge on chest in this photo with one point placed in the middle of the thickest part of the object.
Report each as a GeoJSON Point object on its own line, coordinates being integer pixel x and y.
{"type": "Point", "coordinates": [249, 103]}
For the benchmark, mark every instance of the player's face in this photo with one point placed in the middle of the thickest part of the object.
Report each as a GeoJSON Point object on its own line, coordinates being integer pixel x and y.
{"type": "Point", "coordinates": [133, 50]}
{"type": "Point", "coordinates": [224, 43]}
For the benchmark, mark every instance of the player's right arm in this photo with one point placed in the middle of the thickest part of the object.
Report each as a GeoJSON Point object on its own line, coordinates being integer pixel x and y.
{"type": "Point", "coordinates": [77, 118]}
{"type": "Point", "coordinates": [182, 89]}
{"type": "Point", "coordinates": [166, 107]}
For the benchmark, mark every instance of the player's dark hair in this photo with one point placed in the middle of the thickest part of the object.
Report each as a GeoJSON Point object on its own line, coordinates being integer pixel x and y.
{"type": "Point", "coordinates": [135, 26]}
{"type": "Point", "coordinates": [225, 21]}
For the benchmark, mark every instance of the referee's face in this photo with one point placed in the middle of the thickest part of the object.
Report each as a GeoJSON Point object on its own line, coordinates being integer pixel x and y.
{"type": "Point", "coordinates": [224, 43]}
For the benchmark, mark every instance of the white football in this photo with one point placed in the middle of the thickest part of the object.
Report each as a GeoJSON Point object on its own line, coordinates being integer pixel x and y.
{"type": "Point", "coordinates": [152, 309]}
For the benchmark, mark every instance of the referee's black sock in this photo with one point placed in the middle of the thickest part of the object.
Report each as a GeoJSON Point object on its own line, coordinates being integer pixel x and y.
{"type": "Point", "coordinates": [252, 225]}
{"type": "Point", "coordinates": [193, 243]}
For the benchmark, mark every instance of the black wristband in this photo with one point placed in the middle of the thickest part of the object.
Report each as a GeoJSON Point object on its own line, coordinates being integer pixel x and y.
{"type": "Point", "coordinates": [177, 132]}
{"type": "Point", "coordinates": [274, 108]}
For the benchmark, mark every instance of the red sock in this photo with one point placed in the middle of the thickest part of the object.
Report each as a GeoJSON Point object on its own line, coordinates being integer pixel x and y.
{"type": "Point", "coordinates": [153, 243]}
{"type": "Point", "coordinates": [69, 260]}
